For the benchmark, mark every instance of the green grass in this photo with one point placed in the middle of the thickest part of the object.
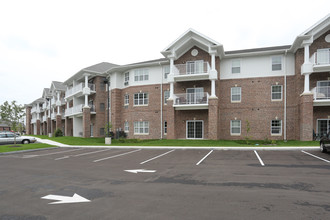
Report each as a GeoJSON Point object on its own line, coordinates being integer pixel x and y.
{"type": "Point", "coordinates": [207, 143]}
{"type": "Point", "coordinates": [19, 147]}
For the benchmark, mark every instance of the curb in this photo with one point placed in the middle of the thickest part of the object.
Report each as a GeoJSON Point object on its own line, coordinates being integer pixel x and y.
{"type": "Point", "coordinates": [30, 150]}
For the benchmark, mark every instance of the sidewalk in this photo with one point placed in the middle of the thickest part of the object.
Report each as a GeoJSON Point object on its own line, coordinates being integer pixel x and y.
{"type": "Point", "coordinates": [46, 141]}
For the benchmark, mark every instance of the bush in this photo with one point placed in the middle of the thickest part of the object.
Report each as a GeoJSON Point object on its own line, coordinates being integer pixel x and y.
{"type": "Point", "coordinates": [58, 133]}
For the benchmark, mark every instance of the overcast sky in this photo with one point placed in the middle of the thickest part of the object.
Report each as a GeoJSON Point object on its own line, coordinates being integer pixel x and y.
{"type": "Point", "coordinates": [44, 41]}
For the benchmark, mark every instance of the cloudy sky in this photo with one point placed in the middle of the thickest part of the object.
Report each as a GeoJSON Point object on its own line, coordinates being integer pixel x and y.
{"type": "Point", "coordinates": [44, 41]}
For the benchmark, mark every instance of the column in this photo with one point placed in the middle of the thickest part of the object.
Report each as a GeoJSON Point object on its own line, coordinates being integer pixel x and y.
{"type": "Point", "coordinates": [213, 119]}
{"type": "Point", "coordinates": [170, 120]}
{"type": "Point", "coordinates": [170, 78]}
{"type": "Point", "coordinates": [213, 75]}
{"type": "Point", "coordinates": [86, 122]}
{"type": "Point", "coordinates": [86, 90]}
{"type": "Point", "coordinates": [306, 117]}
{"type": "Point", "coordinates": [307, 67]}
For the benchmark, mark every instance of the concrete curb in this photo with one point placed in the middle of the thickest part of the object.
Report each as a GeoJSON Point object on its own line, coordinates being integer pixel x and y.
{"type": "Point", "coordinates": [199, 148]}
{"type": "Point", "coordinates": [30, 150]}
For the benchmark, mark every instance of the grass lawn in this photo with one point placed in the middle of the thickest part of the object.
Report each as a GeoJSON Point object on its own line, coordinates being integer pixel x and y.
{"type": "Point", "coordinates": [8, 148]}
{"type": "Point", "coordinates": [208, 143]}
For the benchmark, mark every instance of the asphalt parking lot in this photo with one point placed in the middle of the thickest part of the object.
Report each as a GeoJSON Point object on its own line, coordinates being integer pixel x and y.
{"type": "Point", "coordinates": [165, 184]}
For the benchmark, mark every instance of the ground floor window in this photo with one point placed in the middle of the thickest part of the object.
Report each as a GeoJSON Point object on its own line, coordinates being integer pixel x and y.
{"type": "Point", "coordinates": [126, 126]}
{"type": "Point", "coordinates": [235, 127]}
{"type": "Point", "coordinates": [165, 127]}
{"type": "Point", "coordinates": [141, 127]}
{"type": "Point", "coordinates": [323, 126]}
{"type": "Point", "coordinates": [195, 129]}
{"type": "Point", "coordinates": [276, 127]}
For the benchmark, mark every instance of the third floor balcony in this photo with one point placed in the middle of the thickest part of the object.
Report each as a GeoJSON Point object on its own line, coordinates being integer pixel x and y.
{"type": "Point", "coordinates": [78, 90]}
{"type": "Point", "coordinates": [321, 60]}
{"type": "Point", "coordinates": [191, 71]}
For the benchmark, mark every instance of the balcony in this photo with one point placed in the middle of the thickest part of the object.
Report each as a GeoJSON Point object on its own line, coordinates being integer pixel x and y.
{"type": "Point", "coordinates": [54, 115]}
{"type": "Point", "coordinates": [191, 71]}
{"type": "Point", "coordinates": [78, 109]}
{"type": "Point", "coordinates": [44, 106]}
{"type": "Point", "coordinates": [321, 96]}
{"type": "Point", "coordinates": [321, 60]}
{"type": "Point", "coordinates": [78, 90]}
{"type": "Point", "coordinates": [34, 109]}
{"type": "Point", "coordinates": [191, 101]}
{"type": "Point", "coordinates": [34, 120]}
{"type": "Point", "coordinates": [44, 118]}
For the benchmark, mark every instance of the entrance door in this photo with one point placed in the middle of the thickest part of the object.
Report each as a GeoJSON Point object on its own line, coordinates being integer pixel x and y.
{"type": "Point", "coordinates": [195, 129]}
{"type": "Point", "coordinates": [323, 126]}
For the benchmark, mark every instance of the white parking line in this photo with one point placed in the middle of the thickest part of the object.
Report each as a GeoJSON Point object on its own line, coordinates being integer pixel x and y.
{"type": "Point", "coordinates": [157, 157]}
{"type": "Point", "coordinates": [40, 155]}
{"type": "Point", "coordinates": [261, 162]}
{"type": "Point", "coordinates": [94, 152]}
{"type": "Point", "coordinates": [118, 155]}
{"type": "Point", "coordinates": [320, 158]}
{"type": "Point", "coordinates": [204, 158]}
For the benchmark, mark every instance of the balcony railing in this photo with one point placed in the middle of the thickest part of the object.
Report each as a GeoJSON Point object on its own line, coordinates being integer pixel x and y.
{"type": "Point", "coordinates": [191, 98]}
{"type": "Point", "coordinates": [44, 106]}
{"type": "Point", "coordinates": [321, 92]}
{"type": "Point", "coordinates": [34, 120]}
{"type": "Point", "coordinates": [92, 108]}
{"type": "Point", "coordinates": [190, 68]}
{"type": "Point", "coordinates": [74, 110]}
{"type": "Point", "coordinates": [78, 89]}
{"type": "Point", "coordinates": [44, 118]}
{"type": "Point", "coordinates": [321, 57]}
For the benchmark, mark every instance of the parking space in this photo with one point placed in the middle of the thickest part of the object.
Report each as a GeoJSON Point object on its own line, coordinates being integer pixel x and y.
{"type": "Point", "coordinates": [166, 184]}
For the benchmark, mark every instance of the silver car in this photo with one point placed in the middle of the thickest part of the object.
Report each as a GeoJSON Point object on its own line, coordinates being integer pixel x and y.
{"type": "Point", "coordinates": [7, 137]}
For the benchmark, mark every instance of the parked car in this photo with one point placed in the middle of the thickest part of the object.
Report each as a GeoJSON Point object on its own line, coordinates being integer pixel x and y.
{"type": "Point", "coordinates": [325, 143]}
{"type": "Point", "coordinates": [7, 137]}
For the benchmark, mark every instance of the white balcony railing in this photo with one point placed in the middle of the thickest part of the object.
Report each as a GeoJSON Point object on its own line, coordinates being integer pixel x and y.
{"type": "Point", "coordinates": [191, 98]}
{"type": "Point", "coordinates": [192, 67]}
{"type": "Point", "coordinates": [321, 57]}
{"type": "Point", "coordinates": [78, 89]}
{"type": "Point", "coordinates": [34, 120]}
{"type": "Point", "coordinates": [44, 118]}
{"type": "Point", "coordinates": [74, 110]}
{"type": "Point", "coordinates": [44, 106]}
{"type": "Point", "coordinates": [321, 92]}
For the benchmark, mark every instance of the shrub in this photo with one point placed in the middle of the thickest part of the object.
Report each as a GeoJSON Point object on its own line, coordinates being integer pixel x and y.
{"type": "Point", "coordinates": [58, 133]}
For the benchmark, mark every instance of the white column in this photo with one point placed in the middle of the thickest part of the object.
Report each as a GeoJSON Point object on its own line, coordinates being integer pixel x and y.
{"type": "Point", "coordinates": [212, 61]}
{"type": "Point", "coordinates": [171, 91]}
{"type": "Point", "coordinates": [307, 68]}
{"type": "Point", "coordinates": [306, 84]}
{"type": "Point", "coordinates": [49, 112]}
{"type": "Point", "coordinates": [171, 78]}
{"type": "Point", "coordinates": [86, 101]}
{"type": "Point", "coordinates": [306, 53]}
{"type": "Point", "coordinates": [86, 81]}
{"type": "Point", "coordinates": [213, 88]}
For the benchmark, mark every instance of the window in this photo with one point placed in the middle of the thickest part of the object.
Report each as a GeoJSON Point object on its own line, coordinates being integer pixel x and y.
{"type": "Point", "coordinates": [141, 75]}
{"type": "Point", "coordinates": [126, 126]}
{"type": "Point", "coordinates": [276, 127]}
{"type": "Point", "coordinates": [102, 107]}
{"type": "Point", "coordinates": [126, 99]}
{"type": "Point", "coordinates": [235, 94]}
{"type": "Point", "coordinates": [235, 66]}
{"type": "Point", "coordinates": [235, 127]}
{"type": "Point", "coordinates": [166, 71]}
{"type": "Point", "coordinates": [166, 96]}
{"type": "Point", "coordinates": [195, 67]}
{"type": "Point", "coordinates": [141, 99]}
{"type": "Point", "coordinates": [101, 131]}
{"type": "Point", "coordinates": [126, 81]}
{"type": "Point", "coordinates": [141, 127]}
{"type": "Point", "coordinates": [165, 127]}
{"type": "Point", "coordinates": [277, 92]}
{"type": "Point", "coordinates": [276, 63]}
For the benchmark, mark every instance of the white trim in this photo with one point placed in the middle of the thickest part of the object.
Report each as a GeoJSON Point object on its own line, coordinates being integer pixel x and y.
{"type": "Point", "coordinates": [271, 94]}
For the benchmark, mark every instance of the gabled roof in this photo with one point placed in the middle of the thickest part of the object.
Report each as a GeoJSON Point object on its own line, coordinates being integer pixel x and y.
{"type": "Point", "coordinates": [58, 86]}
{"type": "Point", "coordinates": [97, 69]}
{"type": "Point", "coordinates": [312, 33]}
{"type": "Point", "coordinates": [46, 93]}
{"type": "Point", "coordinates": [189, 39]}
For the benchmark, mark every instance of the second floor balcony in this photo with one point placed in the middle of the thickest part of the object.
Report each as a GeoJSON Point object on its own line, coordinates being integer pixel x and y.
{"type": "Point", "coordinates": [78, 90]}
{"type": "Point", "coordinates": [191, 71]}
{"type": "Point", "coordinates": [321, 94]}
{"type": "Point", "coordinates": [191, 101]}
{"type": "Point", "coordinates": [75, 110]}
{"type": "Point", "coordinates": [321, 60]}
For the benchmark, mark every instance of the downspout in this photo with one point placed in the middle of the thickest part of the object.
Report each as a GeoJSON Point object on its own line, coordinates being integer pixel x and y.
{"type": "Point", "coordinates": [285, 54]}
{"type": "Point", "coordinates": [161, 103]}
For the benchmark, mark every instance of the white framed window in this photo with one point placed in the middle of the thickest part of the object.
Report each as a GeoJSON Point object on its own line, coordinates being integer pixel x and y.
{"type": "Point", "coordinates": [126, 126]}
{"type": "Point", "coordinates": [141, 127]}
{"type": "Point", "coordinates": [166, 96]}
{"type": "Point", "coordinates": [276, 127]}
{"type": "Point", "coordinates": [141, 99]}
{"type": "Point", "coordinates": [141, 75]}
{"type": "Point", "coordinates": [276, 63]}
{"type": "Point", "coordinates": [235, 127]}
{"type": "Point", "coordinates": [236, 66]}
{"type": "Point", "coordinates": [165, 127]}
{"type": "Point", "coordinates": [126, 99]}
{"type": "Point", "coordinates": [166, 70]}
{"type": "Point", "coordinates": [236, 94]}
{"type": "Point", "coordinates": [277, 93]}
{"type": "Point", "coordinates": [126, 79]}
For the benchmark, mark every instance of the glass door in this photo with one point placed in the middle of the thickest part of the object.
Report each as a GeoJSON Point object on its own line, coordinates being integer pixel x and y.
{"type": "Point", "coordinates": [323, 127]}
{"type": "Point", "coordinates": [195, 129]}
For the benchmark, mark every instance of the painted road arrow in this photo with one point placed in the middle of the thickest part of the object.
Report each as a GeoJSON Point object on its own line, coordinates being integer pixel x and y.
{"type": "Point", "coordinates": [140, 171]}
{"type": "Point", "coordinates": [66, 199]}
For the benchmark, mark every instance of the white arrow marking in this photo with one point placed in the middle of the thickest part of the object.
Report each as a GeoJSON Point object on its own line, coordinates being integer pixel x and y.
{"type": "Point", "coordinates": [140, 171]}
{"type": "Point", "coordinates": [66, 199]}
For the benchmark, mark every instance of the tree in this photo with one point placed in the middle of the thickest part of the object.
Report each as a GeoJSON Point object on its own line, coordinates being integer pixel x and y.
{"type": "Point", "coordinates": [12, 115]}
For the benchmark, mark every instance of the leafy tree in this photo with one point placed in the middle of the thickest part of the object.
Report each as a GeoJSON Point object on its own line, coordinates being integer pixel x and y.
{"type": "Point", "coordinates": [12, 115]}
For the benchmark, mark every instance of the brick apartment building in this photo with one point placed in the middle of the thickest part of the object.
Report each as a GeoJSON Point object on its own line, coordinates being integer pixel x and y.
{"type": "Point", "coordinates": [199, 91]}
